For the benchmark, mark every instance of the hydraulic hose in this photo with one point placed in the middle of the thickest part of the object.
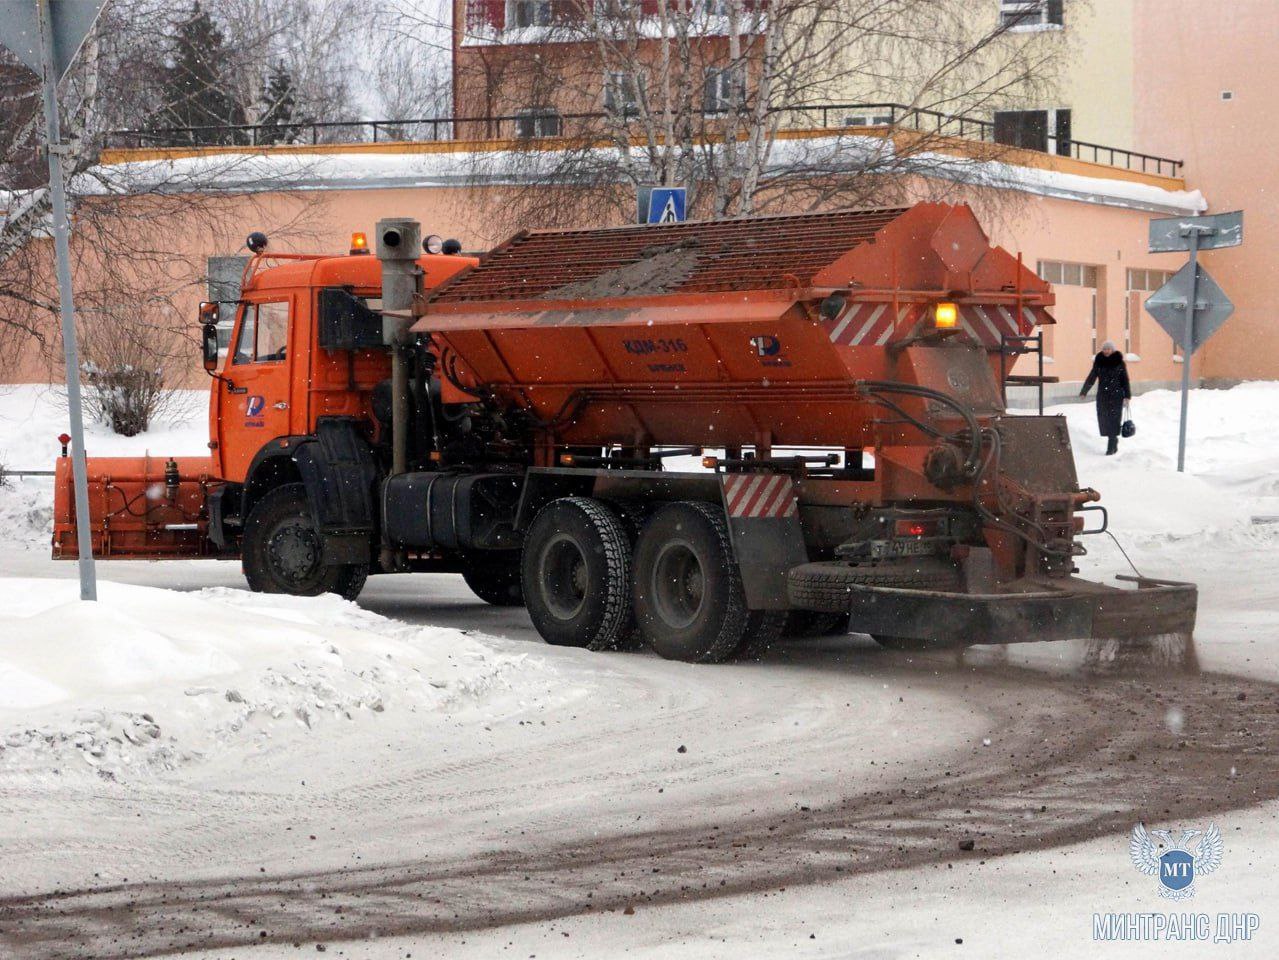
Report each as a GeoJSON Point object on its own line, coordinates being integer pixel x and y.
{"type": "Point", "coordinates": [874, 387]}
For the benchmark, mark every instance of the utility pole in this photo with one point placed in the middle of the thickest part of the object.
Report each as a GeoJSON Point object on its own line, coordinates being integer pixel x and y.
{"type": "Point", "coordinates": [56, 149]}
{"type": "Point", "coordinates": [46, 36]}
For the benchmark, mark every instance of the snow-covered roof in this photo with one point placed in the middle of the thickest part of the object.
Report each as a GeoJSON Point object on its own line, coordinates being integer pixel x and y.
{"type": "Point", "coordinates": [359, 169]}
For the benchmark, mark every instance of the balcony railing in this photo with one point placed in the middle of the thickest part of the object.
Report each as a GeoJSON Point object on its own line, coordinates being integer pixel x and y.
{"type": "Point", "coordinates": [844, 117]}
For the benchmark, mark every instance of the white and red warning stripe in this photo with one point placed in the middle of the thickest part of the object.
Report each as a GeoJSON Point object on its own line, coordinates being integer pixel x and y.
{"type": "Point", "coordinates": [988, 323]}
{"type": "Point", "coordinates": [870, 324]}
{"type": "Point", "coordinates": [757, 495]}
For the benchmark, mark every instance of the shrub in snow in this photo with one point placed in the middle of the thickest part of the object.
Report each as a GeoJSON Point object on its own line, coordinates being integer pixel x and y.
{"type": "Point", "coordinates": [130, 353]}
{"type": "Point", "coordinates": [125, 398]}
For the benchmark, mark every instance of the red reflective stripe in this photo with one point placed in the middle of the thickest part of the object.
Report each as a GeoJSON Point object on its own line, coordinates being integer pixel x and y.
{"type": "Point", "coordinates": [759, 494]}
{"type": "Point", "coordinates": [746, 488]}
{"type": "Point", "coordinates": [733, 487]}
{"type": "Point", "coordinates": [781, 501]}
{"type": "Point", "coordinates": [841, 324]}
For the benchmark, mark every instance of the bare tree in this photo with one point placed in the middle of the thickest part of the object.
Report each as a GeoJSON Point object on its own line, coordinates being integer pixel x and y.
{"type": "Point", "coordinates": [133, 285]}
{"type": "Point", "coordinates": [714, 95]}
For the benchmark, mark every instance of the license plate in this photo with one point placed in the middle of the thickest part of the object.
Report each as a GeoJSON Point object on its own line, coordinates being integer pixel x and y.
{"type": "Point", "coordinates": [882, 549]}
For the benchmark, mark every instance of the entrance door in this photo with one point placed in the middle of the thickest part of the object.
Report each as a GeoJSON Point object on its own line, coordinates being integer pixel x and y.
{"type": "Point", "coordinates": [254, 406]}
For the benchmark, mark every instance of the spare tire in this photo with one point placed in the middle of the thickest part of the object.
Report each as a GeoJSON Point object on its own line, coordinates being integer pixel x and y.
{"type": "Point", "coordinates": [826, 586]}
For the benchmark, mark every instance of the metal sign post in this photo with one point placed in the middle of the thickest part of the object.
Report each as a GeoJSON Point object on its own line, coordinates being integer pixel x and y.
{"type": "Point", "coordinates": [1188, 339]}
{"type": "Point", "coordinates": [46, 36]}
{"type": "Point", "coordinates": [1191, 306]}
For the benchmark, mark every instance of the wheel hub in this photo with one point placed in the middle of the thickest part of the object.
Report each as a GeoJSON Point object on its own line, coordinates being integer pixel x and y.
{"type": "Point", "coordinates": [564, 577]}
{"type": "Point", "coordinates": [678, 584]}
{"type": "Point", "coordinates": [294, 551]}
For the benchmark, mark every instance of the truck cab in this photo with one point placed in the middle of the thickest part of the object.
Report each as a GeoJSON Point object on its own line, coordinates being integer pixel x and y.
{"type": "Point", "coordinates": [305, 345]}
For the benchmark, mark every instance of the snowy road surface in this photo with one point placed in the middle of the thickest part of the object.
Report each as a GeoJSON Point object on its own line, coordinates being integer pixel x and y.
{"type": "Point", "coordinates": [374, 781]}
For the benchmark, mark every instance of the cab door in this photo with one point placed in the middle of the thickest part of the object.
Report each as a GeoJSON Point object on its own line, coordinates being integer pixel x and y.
{"type": "Point", "coordinates": [255, 391]}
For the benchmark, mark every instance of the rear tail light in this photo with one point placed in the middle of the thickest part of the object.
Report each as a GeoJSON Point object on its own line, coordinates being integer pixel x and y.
{"type": "Point", "coordinates": [916, 528]}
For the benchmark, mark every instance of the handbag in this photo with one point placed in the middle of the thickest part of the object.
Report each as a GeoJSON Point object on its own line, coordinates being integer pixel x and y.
{"type": "Point", "coordinates": [1127, 428]}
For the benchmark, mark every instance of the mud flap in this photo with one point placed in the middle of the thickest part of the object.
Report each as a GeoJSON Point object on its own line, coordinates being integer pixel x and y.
{"type": "Point", "coordinates": [763, 525]}
{"type": "Point", "coordinates": [339, 473]}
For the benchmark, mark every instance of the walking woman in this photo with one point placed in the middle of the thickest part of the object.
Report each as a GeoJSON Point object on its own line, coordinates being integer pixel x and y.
{"type": "Point", "coordinates": [1110, 373]}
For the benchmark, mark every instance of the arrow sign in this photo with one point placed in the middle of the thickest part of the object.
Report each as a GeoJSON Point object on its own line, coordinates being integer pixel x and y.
{"type": "Point", "coordinates": [71, 21]}
{"type": "Point", "coordinates": [1212, 307]}
{"type": "Point", "coordinates": [1171, 234]}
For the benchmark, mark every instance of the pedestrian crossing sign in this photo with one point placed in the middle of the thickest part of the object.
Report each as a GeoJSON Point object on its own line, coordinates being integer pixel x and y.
{"type": "Point", "coordinates": [662, 204]}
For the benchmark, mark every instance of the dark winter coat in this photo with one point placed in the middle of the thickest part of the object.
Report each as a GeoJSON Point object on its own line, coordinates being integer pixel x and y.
{"type": "Point", "coordinates": [1110, 373]}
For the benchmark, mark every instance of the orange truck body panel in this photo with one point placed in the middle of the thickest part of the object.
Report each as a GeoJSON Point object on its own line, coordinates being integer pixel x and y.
{"type": "Point", "coordinates": [712, 334]}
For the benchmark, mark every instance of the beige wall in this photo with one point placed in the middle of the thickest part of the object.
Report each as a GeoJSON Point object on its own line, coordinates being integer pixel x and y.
{"type": "Point", "coordinates": [1097, 82]}
{"type": "Point", "coordinates": [1113, 240]}
{"type": "Point", "coordinates": [1040, 228]}
{"type": "Point", "coordinates": [1187, 53]}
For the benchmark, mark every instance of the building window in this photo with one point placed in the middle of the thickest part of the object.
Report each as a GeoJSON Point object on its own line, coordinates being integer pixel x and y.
{"type": "Point", "coordinates": [621, 95]}
{"type": "Point", "coordinates": [1068, 274]}
{"type": "Point", "coordinates": [868, 120]}
{"type": "Point", "coordinates": [1029, 130]}
{"type": "Point", "coordinates": [1032, 14]}
{"type": "Point", "coordinates": [528, 13]}
{"type": "Point", "coordinates": [537, 122]}
{"type": "Point", "coordinates": [1139, 282]}
{"type": "Point", "coordinates": [724, 89]}
{"type": "Point", "coordinates": [1147, 279]}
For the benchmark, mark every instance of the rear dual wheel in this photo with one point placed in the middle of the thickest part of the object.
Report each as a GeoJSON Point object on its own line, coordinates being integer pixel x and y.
{"type": "Point", "coordinates": [688, 594]}
{"type": "Point", "coordinates": [593, 578]}
{"type": "Point", "coordinates": [575, 572]}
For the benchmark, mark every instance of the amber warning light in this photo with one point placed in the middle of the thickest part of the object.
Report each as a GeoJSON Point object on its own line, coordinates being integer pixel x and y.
{"type": "Point", "coordinates": [946, 316]}
{"type": "Point", "coordinates": [359, 243]}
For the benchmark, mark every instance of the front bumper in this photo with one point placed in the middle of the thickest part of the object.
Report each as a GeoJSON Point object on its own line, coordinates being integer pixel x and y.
{"type": "Point", "coordinates": [1033, 611]}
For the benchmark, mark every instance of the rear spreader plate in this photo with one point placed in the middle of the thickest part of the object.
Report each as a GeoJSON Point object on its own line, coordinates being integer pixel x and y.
{"type": "Point", "coordinates": [1078, 609]}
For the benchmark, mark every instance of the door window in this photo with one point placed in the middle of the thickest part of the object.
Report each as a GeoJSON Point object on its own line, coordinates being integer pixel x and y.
{"type": "Point", "coordinates": [264, 333]}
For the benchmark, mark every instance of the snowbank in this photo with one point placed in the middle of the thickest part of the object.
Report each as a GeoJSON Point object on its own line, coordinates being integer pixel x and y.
{"type": "Point", "coordinates": [1232, 462]}
{"type": "Point", "coordinates": [147, 679]}
{"type": "Point", "coordinates": [32, 416]}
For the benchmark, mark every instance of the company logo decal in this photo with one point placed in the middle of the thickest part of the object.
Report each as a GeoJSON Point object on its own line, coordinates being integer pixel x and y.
{"type": "Point", "coordinates": [253, 407]}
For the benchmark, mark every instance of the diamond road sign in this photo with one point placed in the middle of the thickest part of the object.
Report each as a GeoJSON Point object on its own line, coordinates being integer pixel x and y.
{"type": "Point", "coordinates": [1168, 306]}
{"type": "Point", "coordinates": [71, 20]}
{"type": "Point", "coordinates": [1170, 234]}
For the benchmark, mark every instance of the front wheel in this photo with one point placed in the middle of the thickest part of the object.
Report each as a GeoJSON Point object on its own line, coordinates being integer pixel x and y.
{"type": "Point", "coordinates": [283, 551]}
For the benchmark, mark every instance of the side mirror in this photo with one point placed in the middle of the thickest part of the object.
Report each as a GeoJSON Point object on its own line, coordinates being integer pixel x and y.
{"type": "Point", "coordinates": [346, 322]}
{"type": "Point", "coordinates": [209, 346]}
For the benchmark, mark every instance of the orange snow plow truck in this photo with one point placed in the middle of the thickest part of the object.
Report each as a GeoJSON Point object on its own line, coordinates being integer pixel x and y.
{"type": "Point", "coordinates": [695, 436]}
